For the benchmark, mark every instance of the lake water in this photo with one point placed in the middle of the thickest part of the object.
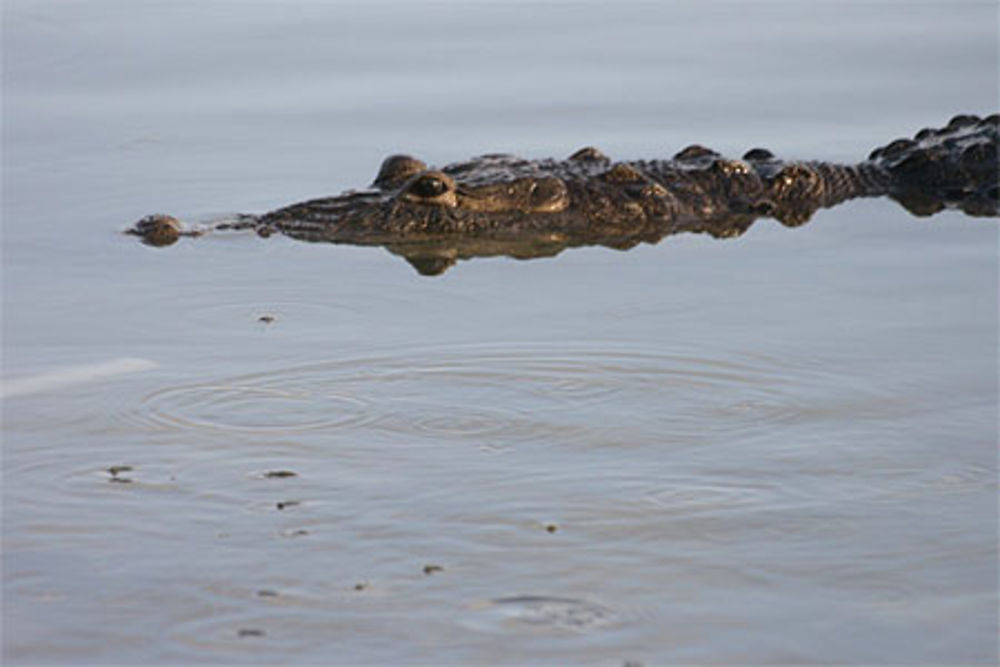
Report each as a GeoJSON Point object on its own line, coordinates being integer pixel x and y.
{"type": "Point", "coordinates": [780, 448]}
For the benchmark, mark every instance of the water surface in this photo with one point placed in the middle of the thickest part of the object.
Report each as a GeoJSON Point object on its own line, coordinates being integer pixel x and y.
{"type": "Point", "coordinates": [776, 448]}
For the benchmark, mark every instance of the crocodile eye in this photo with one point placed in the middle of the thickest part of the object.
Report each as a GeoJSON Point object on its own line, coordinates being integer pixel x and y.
{"type": "Point", "coordinates": [429, 186]}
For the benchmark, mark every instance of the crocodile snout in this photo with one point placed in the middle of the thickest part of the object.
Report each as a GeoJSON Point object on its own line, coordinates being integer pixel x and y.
{"type": "Point", "coordinates": [157, 230]}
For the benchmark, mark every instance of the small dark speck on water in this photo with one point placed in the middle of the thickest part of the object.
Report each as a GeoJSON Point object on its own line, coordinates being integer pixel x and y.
{"type": "Point", "coordinates": [361, 585]}
{"type": "Point", "coordinates": [551, 527]}
{"type": "Point", "coordinates": [267, 593]}
{"type": "Point", "coordinates": [266, 319]}
{"type": "Point", "coordinates": [276, 474]}
{"type": "Point", "coordinates": [431, 569]}
{"type": "Point", "coordinates": [114, 470]}
{"type": "Point", "coordinates": [287, 503]}
{"type": "Point", "coordinates": [249, 632]}
{"type": "Point", "coordinates": [120, 480]}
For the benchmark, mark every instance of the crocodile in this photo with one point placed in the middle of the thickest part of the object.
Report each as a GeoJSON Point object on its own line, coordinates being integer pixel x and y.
{"type": "Point", "coordinates": [499, 204]}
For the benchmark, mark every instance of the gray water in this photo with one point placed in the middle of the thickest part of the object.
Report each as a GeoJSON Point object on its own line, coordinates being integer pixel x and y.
{"type": "Point", "coordinates": [780, 448]}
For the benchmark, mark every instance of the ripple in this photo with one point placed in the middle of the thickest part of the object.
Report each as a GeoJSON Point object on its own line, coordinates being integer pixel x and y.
{"type": "Point", "coordinates": [234, 633]}
{"type": "Point", "coordinates": [469, 423]}
{"type": "Point", "coordinates": [541, 613]}
{"type": "Point", "coordinates": [697, 497]}
{"type": "Point", "coordinates": [501, 392]}
{"type": "Point", "coordinates": [257, 404]}
{"type": "Point", "coordinates": [951, 478]}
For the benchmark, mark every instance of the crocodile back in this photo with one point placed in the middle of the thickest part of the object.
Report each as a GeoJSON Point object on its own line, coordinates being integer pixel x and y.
{"type": "Point", "coordinates": [954, 166]}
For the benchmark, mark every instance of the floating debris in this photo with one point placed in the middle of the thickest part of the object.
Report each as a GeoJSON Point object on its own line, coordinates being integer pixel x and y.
{"type": "Point", "coordinates": [278, 474]}
{"type": "Point", "coordinates": [287, 503]}
{"type": "Point", "coordinates": [249, 632]}
{"type": "Point", "coordinates": [431, 569]}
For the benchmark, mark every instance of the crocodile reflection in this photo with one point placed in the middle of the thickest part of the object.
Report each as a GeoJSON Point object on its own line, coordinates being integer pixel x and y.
{"type": "Point", "coordinates": [431, 258]}
{"type": "Point", "coordinates": [502, 205]}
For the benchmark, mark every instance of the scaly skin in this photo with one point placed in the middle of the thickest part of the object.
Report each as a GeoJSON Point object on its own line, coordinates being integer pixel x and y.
{"type": "Point", "coordinates": [501, 204]}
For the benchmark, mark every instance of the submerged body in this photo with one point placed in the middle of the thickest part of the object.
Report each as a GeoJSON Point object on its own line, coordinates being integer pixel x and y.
{"type": "Point", "coordinates": [502, 204]}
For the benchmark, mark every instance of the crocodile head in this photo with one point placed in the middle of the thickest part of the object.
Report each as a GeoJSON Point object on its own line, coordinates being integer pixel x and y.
{"type": "Point", "coordinates": [489, 194]}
